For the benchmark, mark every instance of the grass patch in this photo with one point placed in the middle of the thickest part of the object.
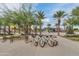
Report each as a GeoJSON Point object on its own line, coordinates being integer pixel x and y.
{"type": "Point", "coordinates": [74, 37]}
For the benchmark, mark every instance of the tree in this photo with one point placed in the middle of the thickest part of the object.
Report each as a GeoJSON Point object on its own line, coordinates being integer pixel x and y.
{"type": "Point", "coordinates": [27, 15]}
{"type": "Point", "coordinates": [1, 23]}
{"type": "Point", "coordinates": [59, 15]}
{"type": "Point", "coordinates": [7, 21]}
{"type": "Point", "coordinates": [17, 19]}
{"type": "Point", "coordinates": [75, 14]}
{"type": "Point", "coordinates": [64, 24]}
{"type": "Point", "coordinates": [6, 17]}
{"type": "Point", "coordinates": [70, 22]}
{"type": "Point", "coordinates": [40, 15]}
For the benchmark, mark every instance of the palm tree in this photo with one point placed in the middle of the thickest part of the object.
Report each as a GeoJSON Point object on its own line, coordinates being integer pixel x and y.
{"type": "Point", "coordinates": [4, 24]}
{"type": "Point", "coordinates": [70, 22]}
{"type": "Point", "coordinates": [56, 25]}
{"type": "Point", "coordinates": [64, 24]}
{"type": "Point", "coordinates": [1, 23]}
{"type": "Point", "coordinates": [25, 17]}
{"type": "Point", "coordinates": [6, 16]}
{"type": "Point", "coordinates": [40, 15]}
{"type": "Point", "coordinates": [16, 19]}
{"type": "Point", "coordinates": [75, 14]}
{"type": "Point", "coordinates": [7, 21]}
{"type": "Point", "coordinates": [58, 15]}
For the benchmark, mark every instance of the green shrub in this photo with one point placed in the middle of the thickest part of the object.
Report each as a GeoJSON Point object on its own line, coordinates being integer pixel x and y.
{"type": "Point", "coordinates": [72, 35]}
{"type": "Point", "coordinates": [75, 28]}
{"type": "Point", "coordinates": [75, 39]}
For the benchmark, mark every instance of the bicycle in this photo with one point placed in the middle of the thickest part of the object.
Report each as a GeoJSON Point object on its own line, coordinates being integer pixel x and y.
{"type": "Point", "coordinates": [50, 41]}
{"type": "Point", "coordinates": [54, 41]}
{"type": "Point", "coordinates": [42, 42]}
{"type": "Point", "coordinates": [35, 40]}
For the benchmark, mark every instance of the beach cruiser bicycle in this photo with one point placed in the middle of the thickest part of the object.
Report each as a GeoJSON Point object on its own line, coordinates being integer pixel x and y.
{"type": "Point", "coordinates": [42, 40]}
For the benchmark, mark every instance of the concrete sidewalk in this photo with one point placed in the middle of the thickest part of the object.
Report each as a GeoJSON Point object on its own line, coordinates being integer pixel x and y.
{"type": "Point", "coordinates": [20, 48]}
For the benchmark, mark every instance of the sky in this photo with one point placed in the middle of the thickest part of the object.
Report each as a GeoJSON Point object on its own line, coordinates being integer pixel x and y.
{"type": "Point", "coordinates": [49, 9]}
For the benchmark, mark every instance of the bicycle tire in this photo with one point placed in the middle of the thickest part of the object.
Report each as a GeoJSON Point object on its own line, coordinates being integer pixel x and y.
{"type": "Point", "coordinates": [51, 43]}
{"type": "Point", "coordinates": [35, 43]}
{"type": "Point", "coordinates": [42, 43]}
{"type": "Point", "coordinates": [55, 43]}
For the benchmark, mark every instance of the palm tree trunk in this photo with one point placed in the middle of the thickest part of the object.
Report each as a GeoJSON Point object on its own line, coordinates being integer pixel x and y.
{"type": "Point", "coordinates": [14, 30]}
{"type": "Point", "coordinates": [64, 28]}
{"type": "Point", "coordinates": [0, 29]}
{"type": "Point", "coordinates": [26, 32]}
{"type": "Point", "coordinates": [29, 29]}
{"type": "Point", "coordinates": [4, 30]}
{"type": "Point", "coordinates": [48, 29]}
{"type": "Point", "coordinates": [40, 30]}
{"type": "Point", "coordinates": [9, 30]}
{"type": "Point", "coordinates": [58, 29]}
{"type": "Point", "coordinates": [35, 30]}
{"type": "Point", "coordinates": [19, 30]}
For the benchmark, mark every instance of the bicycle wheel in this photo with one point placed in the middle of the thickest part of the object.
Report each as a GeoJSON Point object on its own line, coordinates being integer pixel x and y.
{"type": "Point", "coordinates": [55, 43]}
{"type": "Point", "coordinates": [50, 43]}
{"type": "Point", "coordinates": [42, 43]}
{"type": "Point", "coordinates": [35, 43]}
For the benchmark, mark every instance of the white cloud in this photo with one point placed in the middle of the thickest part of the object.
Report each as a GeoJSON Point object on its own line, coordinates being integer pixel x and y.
{"type": "Point", "coordinates": [9, 5]}
{"type": "Point", "coordinates": [65, 7]}
{"type": "Point", "coordinates": [15, 5]}
{"type": "Point", "coordinates": [46, 20]}
{"type": "Point", "coordinates": [49, 21]}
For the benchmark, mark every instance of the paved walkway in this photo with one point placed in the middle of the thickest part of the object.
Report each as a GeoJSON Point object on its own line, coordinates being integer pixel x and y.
{"type": "Point", "coordinates": [20, 48]}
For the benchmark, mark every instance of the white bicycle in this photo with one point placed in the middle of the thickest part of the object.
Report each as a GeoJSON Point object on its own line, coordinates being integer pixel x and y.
{"type": "Point", "coordinates": [50, 41]}
{"type": "Point", "coordinates": [35, 41]}
{"type": "Point", "coordinates": [42, 41]}
{"type": "Point", "coordinates": [55, 43]}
